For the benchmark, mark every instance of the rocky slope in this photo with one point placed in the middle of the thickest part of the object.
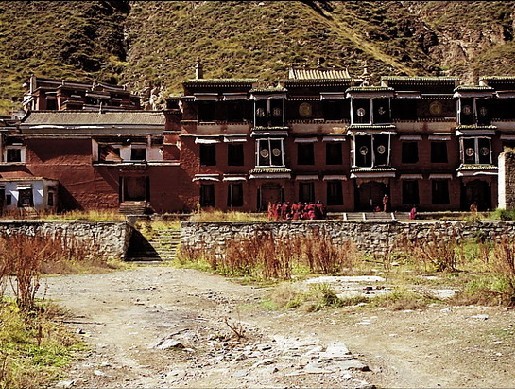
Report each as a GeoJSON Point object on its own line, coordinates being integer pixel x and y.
{"type": "Point", "coordinates": [149, 44]}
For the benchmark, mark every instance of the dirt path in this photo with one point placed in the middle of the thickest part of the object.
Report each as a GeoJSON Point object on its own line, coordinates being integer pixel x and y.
{"type": "Point", "coordinates": [159, 327]}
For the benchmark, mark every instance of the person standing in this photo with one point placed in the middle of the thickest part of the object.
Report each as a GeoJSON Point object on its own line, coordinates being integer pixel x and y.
{"type": "Point", "coordinates": [386, 203]}
{"type": "Point", "coordinates": [413, 213]}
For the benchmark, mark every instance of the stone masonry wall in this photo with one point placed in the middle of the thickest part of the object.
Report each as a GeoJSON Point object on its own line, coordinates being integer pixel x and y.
{"type": "Point", "coordinates": [506, 180]}
{"type": "Point", "coordinates": [374, 237]}
{"type": "Point", "coordinates": [110, 238]}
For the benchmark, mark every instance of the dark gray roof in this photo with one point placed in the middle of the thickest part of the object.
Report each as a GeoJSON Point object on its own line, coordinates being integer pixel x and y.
{"type": "Point", "coordinates": [318, 74]}
{"type": "Point", "coordinates": [79, 118]}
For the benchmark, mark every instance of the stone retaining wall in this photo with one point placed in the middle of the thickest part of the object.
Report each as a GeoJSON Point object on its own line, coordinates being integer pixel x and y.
{"type": "Point", "coordinates": [374, 237]}
{"type": "Point", "coordinates": [110, 238]}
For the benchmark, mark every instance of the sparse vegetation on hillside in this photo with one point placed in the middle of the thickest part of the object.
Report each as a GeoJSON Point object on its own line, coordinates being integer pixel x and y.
{"type": "Point", "coordinates": [59, 39]}
{"type": "Point", "coordinates": [153, 43]}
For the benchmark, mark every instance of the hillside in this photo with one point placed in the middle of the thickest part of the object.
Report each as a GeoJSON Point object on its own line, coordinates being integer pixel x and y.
{"type": "Point", "coordinates": [147, 44]}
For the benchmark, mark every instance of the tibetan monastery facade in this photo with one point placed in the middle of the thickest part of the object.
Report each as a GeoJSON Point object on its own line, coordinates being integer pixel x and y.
{"type": "Point", "coordinates": [239, 144]}
{"type": "Point", "coordinates": [323, 136]}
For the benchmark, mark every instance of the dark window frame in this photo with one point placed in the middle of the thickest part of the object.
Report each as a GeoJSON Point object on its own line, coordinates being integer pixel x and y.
{"type": "Point", "coordinates": [437, 152]}
{"type": "Point", "coordinates": [14, 155]}
{"type": "Point", "coordinates": [235, 195]}
{"type": "Point", "coordinates": [306, 153]}
{"type": "Point", "coordinates": [410, 152]}
{"type": "Point", "coordinates": [307, 192]}
{"type": "Point", "coordinates": [334, 193]}
{"type": "Point", "coordinates": [440, 193]}
{"type": "Point", "coordinates": [333, 153]}
{"type": "Point", "coordinates": [410, 192]}
{"type": "Point", "coordinates": [207, 154]}
{"type": "Point", "coordinates": [138, 154]}
{"type": "Point", "coordinates": [207, 195]}
{"type": "Point", "coordinates": [270, 145]}
{"type": "Point", "coordinates": [235, 154]}
{"type": "Point", "coordinates": [206, 111]}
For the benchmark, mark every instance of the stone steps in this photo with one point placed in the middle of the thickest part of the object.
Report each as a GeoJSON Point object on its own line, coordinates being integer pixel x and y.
{"type": "Point", "coordinates": [133, 208]}
{"type": "Point", "coordinates": [162, 245]}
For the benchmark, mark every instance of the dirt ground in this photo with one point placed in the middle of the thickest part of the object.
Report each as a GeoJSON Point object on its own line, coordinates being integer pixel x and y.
{"type": "Point", "coordinates": [160, 327]}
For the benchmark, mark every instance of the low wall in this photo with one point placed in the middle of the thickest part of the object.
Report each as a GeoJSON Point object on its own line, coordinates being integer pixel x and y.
{"type": "Point", "coordinates": [110, 238]}
{"type": "Point", "coordinates": [374, 237]}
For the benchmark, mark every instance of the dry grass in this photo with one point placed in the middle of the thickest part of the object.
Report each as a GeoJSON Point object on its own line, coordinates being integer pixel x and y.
{"type": "Point", "coordinates": [214, 215]}
{"type": "Point", "coordinates": [24, 258]}
{"type": "Point", "coordinates": [266, 257]}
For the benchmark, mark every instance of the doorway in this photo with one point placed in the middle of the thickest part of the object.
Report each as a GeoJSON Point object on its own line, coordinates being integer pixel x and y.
{"type": "Point", "coordinates": [369, 195]}
{"type": "Point", "coordinates": [476, 191]}
{"type": "Point", "coordinates": [134, 189]}
{"type": "Point", "coordinates": [269, 193]}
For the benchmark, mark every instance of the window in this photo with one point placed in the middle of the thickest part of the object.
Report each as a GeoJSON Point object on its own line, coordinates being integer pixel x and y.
{"type": "Point", "coordinates": [138, 154]}
{"type": "Point", "coordinates": [467, 111]}
{"type": "Point", "coordinates": [410, 192]}
{"type": "Point", "coordinates": [361, 111]}
{"type": "Point", "coordinates": [51, 104]}
{"type": "Point", "coordinates": [8, 199]}
{"type": "Point", "coordinates": [306, 154]}
{"type": "Point", "coordinates": [14, 155]}
{"type": "Point", "coordinates": [440, 191]}
{"type": "Point", "coordinates": [206, 111]}
{"type": "Point", "coordinates": [409, 152]}
{"type": "Point", "coordinates": [50, 198]}
{"type": "Point", "coordinates": [207, 195]}
{"type": "Point", "coordinates": [474, 111]}
{"type": "Point", "coordinates": [276, 112]}
{"type": "Point", "coordinates": [25, 198]}
{"type": "Point", "coordinates": [307, 192]}
{"type": "Point", "coordinates": [483, 112]}
{"type": "Point", "coordinates": [371, 150]}
{"type": "Point", "coordinates": [381, 113]}
{"type": "Point", "coordinates": [270, 152]}
{"type": "Point", "coordinates": [333, 153]}
{"type": "Point", "coordinates": [109, 153]}
{"type": "Point", "coordinates": [476, 151]}
{"type": "Point", "coordinates": [237, 111]}
{"type": "Point", "coordinates": [381, 149]}
{"type": "Point", "coordinates": [235, 195]}
{"type": "Point", "coordinates": [235, 155]}
{"type": "Point", "coordinates": [362, 150]}
{"type": "Point", "coordinates": [207, 155]}
{"type": "Point", "coordinates": [439, 152]}
{"type": "Point", "coordinates": [334, 109]}
{"type": "Point", "coordinates": [269, 112]}
{"type": "Point", "coordinates": [334, 193]}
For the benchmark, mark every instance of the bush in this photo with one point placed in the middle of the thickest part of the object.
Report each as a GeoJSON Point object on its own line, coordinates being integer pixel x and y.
{"type": "Point", "coordinates": [266, 257]}
{"type": "Point", "coordinates": [503, 214]}
{"type": "Point", "coordinates": [443, 253]}
{"type": "Point", "coordinates": [23, 258]}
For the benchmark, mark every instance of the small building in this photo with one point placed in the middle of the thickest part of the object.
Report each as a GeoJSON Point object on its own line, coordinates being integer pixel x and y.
{"type": "Point", "coordinates": [24, 194]}
{"type": "Point", "coordinates": [61, 95]}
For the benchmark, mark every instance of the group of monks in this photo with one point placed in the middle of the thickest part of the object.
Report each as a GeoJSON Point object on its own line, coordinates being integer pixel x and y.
{"type": "Point", "coordinates": [296, 211]}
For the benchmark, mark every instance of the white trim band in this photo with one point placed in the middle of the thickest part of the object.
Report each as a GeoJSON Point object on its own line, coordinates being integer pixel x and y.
{"type": "Point", "coordinates": [340, 138]}
{"type": "Point", "coordinates": [306, 140]}
{"type": "Point", "coordinates": [440, 177]}
{"type": "Point", "coordinates": [207, 141]}
{"type": "Point", "coordinates": [206, 177]}
{"type": "Point", "coordinates": [334, 177]}
{"type": "Point", "coordinates": [410, 137]}
{"type": "Point", "coordinates": [307, 177]}
{"type": "Point", "coordinates": [410, 176]}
